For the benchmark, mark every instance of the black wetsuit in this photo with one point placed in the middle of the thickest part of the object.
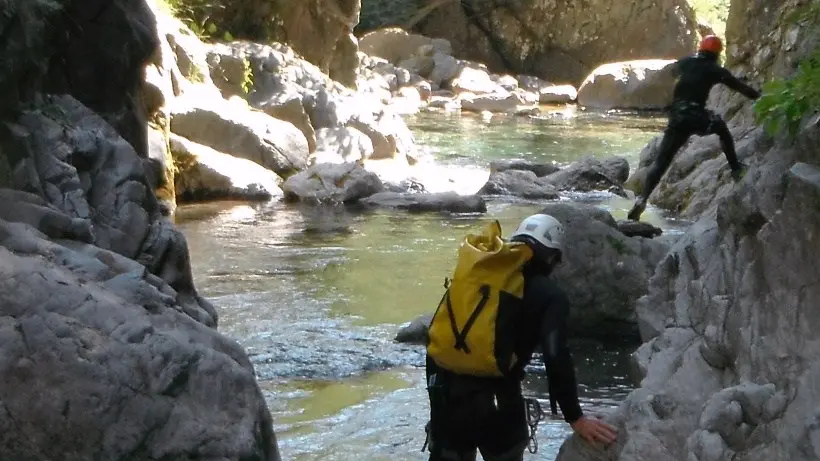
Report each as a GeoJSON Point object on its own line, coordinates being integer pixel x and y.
{"type": "Point", "coordinates": [488, 414]}
{"type": "Point", "coordinates": [688, 114]}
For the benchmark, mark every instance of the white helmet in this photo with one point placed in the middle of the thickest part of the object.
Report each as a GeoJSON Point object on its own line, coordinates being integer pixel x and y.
{"type": "Point", "coordinates": [541, 229]}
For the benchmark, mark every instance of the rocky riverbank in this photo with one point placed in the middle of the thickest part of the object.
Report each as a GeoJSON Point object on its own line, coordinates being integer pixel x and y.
{"type": "Point", "coordinates": [242, 119]}
{"type": "Point", "coordinates": [108, 350]}
{"type": "Point", "coordinates": [728, 367]}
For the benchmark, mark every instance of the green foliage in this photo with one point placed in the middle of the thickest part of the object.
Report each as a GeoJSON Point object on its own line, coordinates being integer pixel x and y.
{"type": "Point", "coordinates": [785, 102]}
{"type": "Point", "coordinates": [226, 20]}
{"type": "Point", "coordinates": [247, 78]}
{"type": "Point", "coordinates": [199, 16]}
{"type": "Point", "coordinates": [714, 12]}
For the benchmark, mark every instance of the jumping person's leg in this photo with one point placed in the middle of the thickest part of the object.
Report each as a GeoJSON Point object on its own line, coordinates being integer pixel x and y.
{"type": "Point", "coordinates": [674, 138]}
{"type": "Point", "coordinates": [718, 127]}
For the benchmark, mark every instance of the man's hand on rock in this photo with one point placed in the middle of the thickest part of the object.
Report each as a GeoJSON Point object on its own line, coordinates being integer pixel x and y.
{"type": "Point", "coordinates": [594, 430]}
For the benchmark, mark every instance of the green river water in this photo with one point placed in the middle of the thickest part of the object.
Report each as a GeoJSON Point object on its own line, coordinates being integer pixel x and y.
{"type": "Point", "coordinates": [317, 295]}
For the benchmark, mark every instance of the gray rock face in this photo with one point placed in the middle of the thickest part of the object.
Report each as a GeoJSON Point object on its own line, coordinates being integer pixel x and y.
{"type": "Point", "coordinates": [118, 34]}
{"type": "Point", "coordinates": [699, 175]}
{"type": "Point", "coordinates": [729, 369]}
{"type": "Point", "coordinates": [604, 272]}
{"type": "Point", "coordinates": [108, 350]}
{"type": "Point", "coordinates": [100, 362]}
{"type": "Point", "coordinates": [79, 164]}
{"type": "Point", "coordinates": [103, 320]}
{"type": "Point", "coordinates": [537, 181]}
{"type": "Point", "coordinates": [561, 41]}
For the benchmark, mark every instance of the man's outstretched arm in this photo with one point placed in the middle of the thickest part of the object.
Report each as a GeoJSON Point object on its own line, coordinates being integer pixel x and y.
{"type": "Point", "coordinates": [561, 369]}
{"type": "Point", "coordinates": [736, 84]}
{"type": "Point", "coordinates": [557, 357]}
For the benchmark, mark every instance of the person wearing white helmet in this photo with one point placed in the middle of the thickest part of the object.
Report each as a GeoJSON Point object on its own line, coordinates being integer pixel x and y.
{"type": "Point", "coordinates": [490, 414]}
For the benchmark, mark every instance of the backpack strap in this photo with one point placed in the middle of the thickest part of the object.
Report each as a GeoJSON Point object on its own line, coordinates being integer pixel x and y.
{"type": "Point", "coordinates": [461, 336]}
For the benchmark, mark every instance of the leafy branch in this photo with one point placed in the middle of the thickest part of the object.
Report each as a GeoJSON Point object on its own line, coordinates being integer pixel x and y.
{"type": "Point", "coordinates": [785, 102]}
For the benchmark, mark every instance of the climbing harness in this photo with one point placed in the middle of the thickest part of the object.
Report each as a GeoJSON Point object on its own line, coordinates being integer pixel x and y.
{"type": "Point", "coordinates": [534, 416]}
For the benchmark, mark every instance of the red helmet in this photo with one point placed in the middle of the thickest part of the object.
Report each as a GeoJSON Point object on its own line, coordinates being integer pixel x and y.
{"type": "Point", "coordinates": [711, 43]}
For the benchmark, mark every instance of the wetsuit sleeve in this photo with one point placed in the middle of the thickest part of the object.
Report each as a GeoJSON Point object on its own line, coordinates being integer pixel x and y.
{"type": "Point", "coordinates": [734, 83]}
{"type": "Point", "coordinates": [557, 358]}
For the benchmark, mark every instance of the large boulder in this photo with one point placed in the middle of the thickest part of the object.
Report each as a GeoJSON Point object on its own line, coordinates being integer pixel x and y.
{"type": "Point", "coordinates": [473, 79]}
{"type": "Point", "coordinates": [278, 74]}
{"type": "Point", "coordinates": [518, 183]}
{"type": "Point", "coordinates": [332, 183]}
{"type": "Point", "coordinates": [322, 32]}
{"type": "Point", "coordinates": [645, 84]}
{"type": "Point", "coordinates": [100, 360]}
{"type": "Point", "coordinates": [540, 169]}
{"type": "Point", "coordinates": [396, 45]}
{"type": "Point", "coordinates": [591, 174]}
{"type": "Point", "coordinates": [700, 173]}
{"type": "Point", "coordinates": [557, 94]}
{"type": "Point", "coordinates": [270, 71]}
{"type": "Point", "coordinates": [76, 161]}
{"type": "Point", "coordinates": [499, 101]}
{"type": "Point", "coordinates": [183, 55]}
{"type": "Point", "coordinates": [729, 368]}
{"type": "Point", "coordinates": [100, 288]}
{"type": "Point", "coordinates": [342, 145]}
{"type": "Point", "coordinates": [206, 174]}
{"type": "Point", "coordinates": [604, 273]}
{"type": "Point", "coordinates": [233, 127]}
{"type": "Point", "coordinates": [562, 42]}
{"type": "Point", "coordinates": [427, 202]}
{"type": "Point", "coordinates": [545, 181]}
{"type": "Point", "coordinates": [288, 107]}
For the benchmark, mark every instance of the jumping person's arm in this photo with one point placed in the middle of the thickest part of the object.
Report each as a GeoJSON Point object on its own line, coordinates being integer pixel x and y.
{"type": "Point", "coordinates": [736, 84]}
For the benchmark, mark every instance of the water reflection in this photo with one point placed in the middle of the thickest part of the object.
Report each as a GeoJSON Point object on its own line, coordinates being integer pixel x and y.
{"type": "Point", "coordinates": [561, 135]}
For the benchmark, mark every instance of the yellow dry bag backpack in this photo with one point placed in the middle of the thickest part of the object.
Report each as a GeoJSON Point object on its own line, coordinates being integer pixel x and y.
{"type": "Point", "coordinates": [473, 329]}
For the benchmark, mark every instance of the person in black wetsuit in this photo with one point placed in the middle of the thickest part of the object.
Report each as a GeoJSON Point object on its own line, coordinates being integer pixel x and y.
{"type": "Point", "coordinates": [688, 114]}
{"type": "Point", "coordinates": [470, 413]}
